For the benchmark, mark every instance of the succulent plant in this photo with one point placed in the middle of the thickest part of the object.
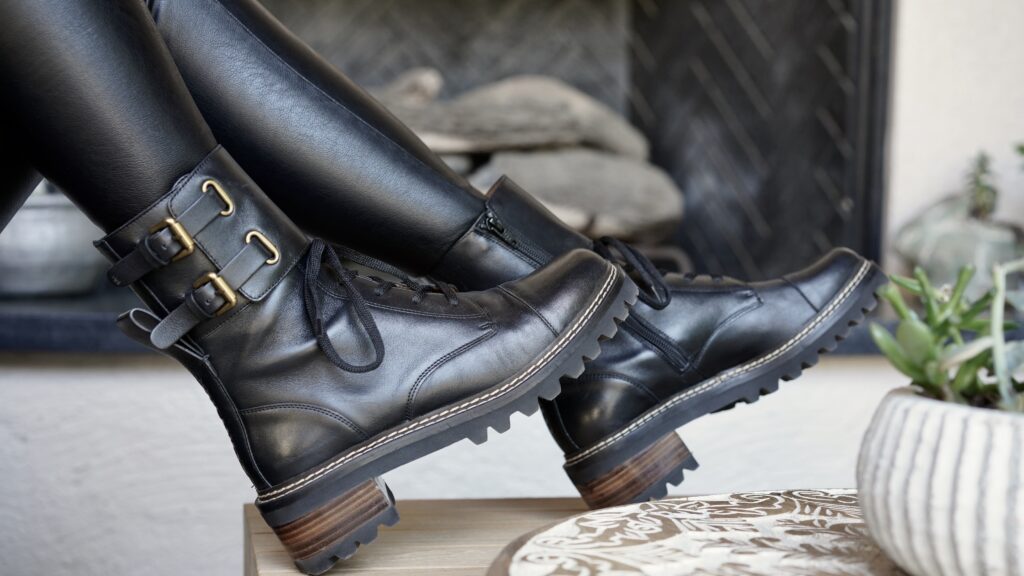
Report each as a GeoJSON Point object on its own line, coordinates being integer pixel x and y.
{"type": "Point", "coordinates": [956, 349]}
{"type": "Point", "coordinates": [982, 189]}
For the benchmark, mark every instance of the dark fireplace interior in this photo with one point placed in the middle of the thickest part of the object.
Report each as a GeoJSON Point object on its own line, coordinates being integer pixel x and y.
{"type": "Point", "coordinates": [769, 116]}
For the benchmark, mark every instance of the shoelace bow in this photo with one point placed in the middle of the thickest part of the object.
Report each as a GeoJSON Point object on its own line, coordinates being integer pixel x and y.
{"type": "Point", "coordinates": [653, 289]}
{"type": "Point", "coordinates": [313, 299]}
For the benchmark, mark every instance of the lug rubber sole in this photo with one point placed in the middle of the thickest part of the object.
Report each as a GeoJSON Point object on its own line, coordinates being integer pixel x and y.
{"type": "Point", "coordinates": [628, 459]}
{"type": "Point", "coordinates": [327, 513]}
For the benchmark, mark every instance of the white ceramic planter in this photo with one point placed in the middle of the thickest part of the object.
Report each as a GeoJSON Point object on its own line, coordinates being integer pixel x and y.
{"type": "Point", "coordinates": [942, 486]}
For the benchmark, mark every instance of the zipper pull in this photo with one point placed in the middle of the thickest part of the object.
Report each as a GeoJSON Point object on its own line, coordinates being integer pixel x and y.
{"type": "Point", "coordinates": [495, 226]}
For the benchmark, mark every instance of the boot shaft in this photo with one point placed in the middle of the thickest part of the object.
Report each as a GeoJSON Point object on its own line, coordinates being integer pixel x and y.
{"type": "Point", "coordinates": [204, 258]}
{"type": "Point", "coordinates": [332, 157]}
{"type": "Point", "coordinates": [513, 236]}
{"type": "Point", "coordinates": [323, 147]}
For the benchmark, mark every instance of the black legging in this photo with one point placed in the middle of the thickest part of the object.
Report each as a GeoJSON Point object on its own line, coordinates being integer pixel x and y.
{"type": "Point", "coordinates": [17, 179]}
{"type": "Point", "coordinates": [336, 161]}
{"type": "Point", "coordinates": [100, 108]}
{"type": "Point", "coordinates": [95, 103]}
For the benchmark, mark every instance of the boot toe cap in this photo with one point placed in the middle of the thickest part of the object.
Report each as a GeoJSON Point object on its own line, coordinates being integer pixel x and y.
{"type": "Point", "coordinates": [821, 281]}
{"type": "Point", "coordinates": [563, 289]}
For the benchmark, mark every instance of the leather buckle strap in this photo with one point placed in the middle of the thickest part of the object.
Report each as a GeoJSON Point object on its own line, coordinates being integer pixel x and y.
{"type": "Point", "coordinates": [221, 288]}
{"type": "Point", "coordinates": [215, 293]}
{"type": "Point", "coordinates": [188, 244]}
{"type": "Point", "coordinates": [172, 239]}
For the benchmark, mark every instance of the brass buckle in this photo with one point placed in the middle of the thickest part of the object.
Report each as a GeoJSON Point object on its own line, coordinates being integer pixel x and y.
{"type": "Point", "coordinates": [267, 244]}
{"type": "Point", "coordinates": [188, 245]}
{"type": "Point", "coordinates": [222, 194]}
{"type": "Point", "coordinates": [221, 287]}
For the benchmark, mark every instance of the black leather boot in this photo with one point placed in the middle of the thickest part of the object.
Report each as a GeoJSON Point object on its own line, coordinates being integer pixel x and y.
{"type": "Point", "coordinates": [325, 378]}
{"type": "Point", "coordinates": [692, 347]}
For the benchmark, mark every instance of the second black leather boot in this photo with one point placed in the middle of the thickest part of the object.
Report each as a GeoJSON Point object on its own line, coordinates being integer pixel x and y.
{"type": "Point", "coordinates": [694, 345]}
{"type": "Point", "coordinates": [326, 378]}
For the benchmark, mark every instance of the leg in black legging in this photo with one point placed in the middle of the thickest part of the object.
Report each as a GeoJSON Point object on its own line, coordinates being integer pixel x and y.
{"type": "Point", "coordinates": [17, 180]}
{"type": "Point", "coordinates": [330, 156]}
{"type": "Point", "coordinates": [97, 104]}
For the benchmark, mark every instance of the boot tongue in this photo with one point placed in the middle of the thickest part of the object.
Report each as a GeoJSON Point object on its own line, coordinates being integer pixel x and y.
{"type": "Point", "coordinates": [653, 289]}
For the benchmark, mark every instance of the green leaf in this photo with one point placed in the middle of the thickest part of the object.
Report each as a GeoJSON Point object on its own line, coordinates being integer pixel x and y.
{"type": "Point", "coordinates": [917, 341]}
{"type": "Point", "coordinates": [966, 380]}
{"type": "Point", "coordinates": [891, 348]}
{"type": "Point", "coordinates": [963, 278]}
{"type": "Point", "coordinates": [953, 332]}
{"type": "Point", "coordinates": [908, 284]}
{"type": "Point", "coordinates": [930, 297]}
{"type": "Point", "coordinates": [956, 355]}
{"type": "Point", "coordinates": [892, 295]}
{"type": "Point", "coordinates": [980, 306]}
{"type": "Point", "coordinates": [984, 325]}
{"type": "Point", "coordinates": [936, 376]}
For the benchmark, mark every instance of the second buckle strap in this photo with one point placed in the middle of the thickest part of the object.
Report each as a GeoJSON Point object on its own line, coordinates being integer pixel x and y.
{"type": "Point", "coordinates": [214, 293]}
{"type": "Point", "coordinates": [172, 238]}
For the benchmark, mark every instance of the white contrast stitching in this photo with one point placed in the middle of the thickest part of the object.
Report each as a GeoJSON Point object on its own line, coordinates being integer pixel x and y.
{"type": "Point", "coordinates": [738, 370]}
{"type": "Point", "coordinates": [566, 338]}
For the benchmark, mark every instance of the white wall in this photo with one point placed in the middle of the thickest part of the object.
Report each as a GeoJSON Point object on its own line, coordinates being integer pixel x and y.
{"type": "Point", "coordinates": [120, 465]}
{"type": "Point", "coordinates": [958, 87]}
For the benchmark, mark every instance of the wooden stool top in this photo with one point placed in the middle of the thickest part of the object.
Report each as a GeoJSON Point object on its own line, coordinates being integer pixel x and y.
{"type": "Point", "coordinates": [434, 537]}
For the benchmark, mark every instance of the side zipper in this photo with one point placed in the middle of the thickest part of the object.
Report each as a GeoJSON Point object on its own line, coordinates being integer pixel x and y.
{"type": "Point", "coordinates": [491, 225]}
{"type": "Point", "coordinates": [657, 341]}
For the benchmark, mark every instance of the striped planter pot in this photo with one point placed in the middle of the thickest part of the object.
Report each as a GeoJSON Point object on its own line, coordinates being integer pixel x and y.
{"type": "Point", "coordinates": [942, 486]}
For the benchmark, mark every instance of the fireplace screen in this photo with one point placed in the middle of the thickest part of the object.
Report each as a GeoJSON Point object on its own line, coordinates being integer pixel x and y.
{"type": "Point", "coordinates": [764, 120]}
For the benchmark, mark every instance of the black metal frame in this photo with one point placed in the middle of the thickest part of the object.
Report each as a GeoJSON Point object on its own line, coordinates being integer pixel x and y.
{"type": "Point", "coordinates": [878, 39]}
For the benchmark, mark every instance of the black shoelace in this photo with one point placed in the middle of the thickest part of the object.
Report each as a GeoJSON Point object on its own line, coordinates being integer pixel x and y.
{"type": "Point", "coordinates": [419, 288]}
{"type": "Point", "coordinates": [313, 299]}
{"type": "Point", "coordinates": [653, 289]}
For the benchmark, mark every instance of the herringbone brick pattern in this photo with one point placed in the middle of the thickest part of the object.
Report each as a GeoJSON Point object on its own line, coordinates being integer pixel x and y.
{"type": "Point", "coordinates": [472, 42]}
{"type": "Point", "coordinates": [755, 108]}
